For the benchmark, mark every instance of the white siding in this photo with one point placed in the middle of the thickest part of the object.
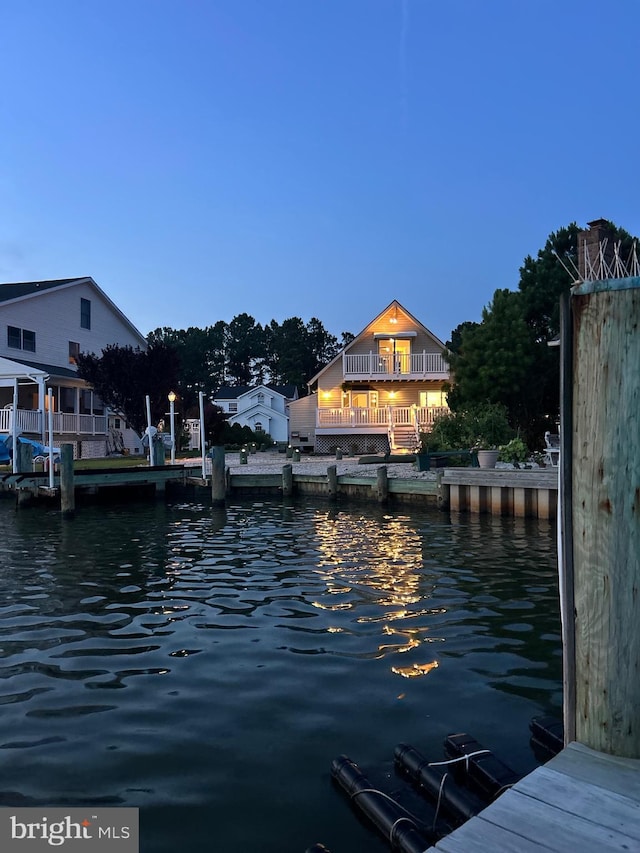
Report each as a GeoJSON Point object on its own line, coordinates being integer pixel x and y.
{"type": "Point", "coordinates": [302, 420]}
{"type": "Point", "coordinates": [54, 315]}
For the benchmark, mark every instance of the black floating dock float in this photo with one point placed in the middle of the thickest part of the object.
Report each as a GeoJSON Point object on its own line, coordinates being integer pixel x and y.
{"type": "Point", "coordinates": [438, 784]}
{"type": "Point", "coordinates": [395, 823]}
{"type": "Point", "coordinates": [547, 737]}
{"type": "Point", "coordinates": [487, 774]}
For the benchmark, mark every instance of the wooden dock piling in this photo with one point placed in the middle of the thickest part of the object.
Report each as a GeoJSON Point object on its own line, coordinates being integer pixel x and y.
{"type": "Point", "coordinates": [382, 484]}
{"type": "Point", "coordinates": [606, 514]}
{"type": "Point", "coordinates": [332, 476]}
{"type": "Point", "coordinates": [67, 487]}
{"type": "Point", "coordinates": [218, 480]}
{"type": "Point", "coordinates": [287, 481]}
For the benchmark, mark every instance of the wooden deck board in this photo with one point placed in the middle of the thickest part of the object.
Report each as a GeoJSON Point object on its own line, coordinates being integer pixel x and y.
{"type": "Point", "coordinates": [553, 827]}
{"type": "Point", "coordinates": [621, 775]}
{"type": "Point", "coordinates": [581, 800]}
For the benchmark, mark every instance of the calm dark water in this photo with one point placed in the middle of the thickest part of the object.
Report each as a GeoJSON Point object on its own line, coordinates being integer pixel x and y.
{"type": "Point", "coordinates": [207, 665]}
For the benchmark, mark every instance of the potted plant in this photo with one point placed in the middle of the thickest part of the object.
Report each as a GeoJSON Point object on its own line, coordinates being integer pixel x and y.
{"type": "Point", "coordinates": [487, 456]}
{"type": "Point", "coordinates": [491, 429]}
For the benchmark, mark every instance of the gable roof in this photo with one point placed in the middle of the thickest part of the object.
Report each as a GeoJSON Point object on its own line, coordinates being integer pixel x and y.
{"type": "Point", "coordinates": [16, 291]}
{"type": "Point", "coordinates": [392, 306]}
{"type": "Point", "coordinates": [232, 392]}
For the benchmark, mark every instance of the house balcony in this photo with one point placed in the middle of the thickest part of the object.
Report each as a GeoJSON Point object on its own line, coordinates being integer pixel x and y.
{"type": "Point", "coordinates": [32, 422]}
{"type": "Point", "coordinates": [409, 366]}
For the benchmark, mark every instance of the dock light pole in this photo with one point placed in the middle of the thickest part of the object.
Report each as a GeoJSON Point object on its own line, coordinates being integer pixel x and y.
{"type": "Point", "coordinates": [172, 420]}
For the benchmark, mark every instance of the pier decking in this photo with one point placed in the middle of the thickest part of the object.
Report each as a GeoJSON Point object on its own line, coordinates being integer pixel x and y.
{"type": "Point", "coordinates": [581, 800]}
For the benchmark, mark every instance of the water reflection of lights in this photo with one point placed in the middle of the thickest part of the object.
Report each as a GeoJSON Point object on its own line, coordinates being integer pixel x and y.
{"type": "Point", "coordinates": [415, 669]}
{"type": "Point", "coordinates": [384, 559]}
{"type": "Point", "coordinates": [402, 614]}
{"type": "Point", "coordinates": [378, 563]}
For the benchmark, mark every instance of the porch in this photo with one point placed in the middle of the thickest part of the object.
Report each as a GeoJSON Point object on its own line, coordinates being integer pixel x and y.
{"type": "Point", "coordinates": [402, 425]}
{"type": "Point", "coordinates": [416, 365]}
{"type": "Point", "coordinates": [35, 422]}
{"type": "Point", "coordinates": [352, 417]}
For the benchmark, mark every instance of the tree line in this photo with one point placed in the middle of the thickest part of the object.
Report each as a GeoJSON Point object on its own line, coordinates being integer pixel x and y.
{"type": "Point", "coordinates": [504, 360]}
{"type": "Point", "coordinates": [194, 360]}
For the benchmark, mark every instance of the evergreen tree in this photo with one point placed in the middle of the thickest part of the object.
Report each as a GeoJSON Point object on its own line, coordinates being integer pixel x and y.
{"type": "Point", "coordinates": [506, 358]}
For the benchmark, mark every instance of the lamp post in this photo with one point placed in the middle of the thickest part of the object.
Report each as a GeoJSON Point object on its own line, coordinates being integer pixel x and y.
{"type": "Point", "coordinates": [172, 420]}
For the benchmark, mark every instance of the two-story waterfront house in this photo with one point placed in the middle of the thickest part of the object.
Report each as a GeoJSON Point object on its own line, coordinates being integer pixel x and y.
{"type": "Point", "coordinates": [264, 408]}
{"type": "Point", "coordinates": [44, 325]}
{"type": "Point", "coordinates": [379, 393]}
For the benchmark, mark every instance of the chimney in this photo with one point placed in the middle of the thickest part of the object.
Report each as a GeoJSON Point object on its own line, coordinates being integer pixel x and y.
{"type": "Point", "coordinates": [599, 234]}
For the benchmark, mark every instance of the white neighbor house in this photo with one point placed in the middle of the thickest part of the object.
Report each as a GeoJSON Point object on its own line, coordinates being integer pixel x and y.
{"type": "Point", "coordinates": [264, 408]}
{"type": "Point", "coordinates": [43, 326]}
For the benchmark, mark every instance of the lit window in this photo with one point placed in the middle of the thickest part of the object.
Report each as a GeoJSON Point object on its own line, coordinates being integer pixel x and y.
{"type": "Point", "coordinates": [85, 313]}
{"type": "Point", "coordinates": [74, 352]}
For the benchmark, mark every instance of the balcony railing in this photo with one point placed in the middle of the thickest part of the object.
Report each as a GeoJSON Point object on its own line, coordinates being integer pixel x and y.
{"type": "Point", "coordinates": [30, 422]}
{"type": "Point", "coordinates": [415, 365]}
{"type": "Point", "coordinates": [421, 417]}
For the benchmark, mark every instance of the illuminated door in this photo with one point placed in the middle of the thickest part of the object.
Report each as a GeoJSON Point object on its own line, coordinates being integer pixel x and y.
{"type": "Point", "coordinates": [364, 399]}
{"type": "Point", "coordinates": [394, 355]}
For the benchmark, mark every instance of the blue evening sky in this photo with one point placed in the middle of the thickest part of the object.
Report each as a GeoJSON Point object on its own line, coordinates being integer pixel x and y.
{"type": "Point", "coordinates": [204, 158]}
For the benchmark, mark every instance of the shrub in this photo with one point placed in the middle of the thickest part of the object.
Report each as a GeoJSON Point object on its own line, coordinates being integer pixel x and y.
{"type": "Point", "coordinates": [484, 426]}
{"type": "Point", "coordinates": [515, 451]}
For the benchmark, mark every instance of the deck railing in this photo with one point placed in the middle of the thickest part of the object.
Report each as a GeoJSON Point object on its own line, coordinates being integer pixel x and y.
{"type": "Point", "coordinates": [29, 422]}
{"type": "Point", "coordinates": [417, 364]}
{"type": "Point", "coordinates": [421, 417]}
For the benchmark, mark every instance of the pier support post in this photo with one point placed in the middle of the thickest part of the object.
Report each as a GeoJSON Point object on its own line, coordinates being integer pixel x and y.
{"type": "Point", "coordinates": [218, 484]}
{"type": "Point", "coordinates": [605, 478]}
{"type": "Point", "coordinates": [287, 481]}
{"type": "Point", "coordinates": [24, 454]}
{"type": "Point", "coordinates": [382, 484]}
{"type": "Point", "coordinates": [24, 497]}
{"type": "Point", "coordinates": [442, 493]}
{"type": "Point", "coordinates": [332, 476]}
{"type": "Point", "coordinates": [67, 486]}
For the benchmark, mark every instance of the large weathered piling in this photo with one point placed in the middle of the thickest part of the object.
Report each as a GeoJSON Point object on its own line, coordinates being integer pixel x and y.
{"type": "Point", "coordinates": [605, 516]}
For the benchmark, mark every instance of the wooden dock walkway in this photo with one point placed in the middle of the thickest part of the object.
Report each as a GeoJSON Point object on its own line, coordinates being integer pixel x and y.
{"type": "Point", "coordinates": [581, 801]}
